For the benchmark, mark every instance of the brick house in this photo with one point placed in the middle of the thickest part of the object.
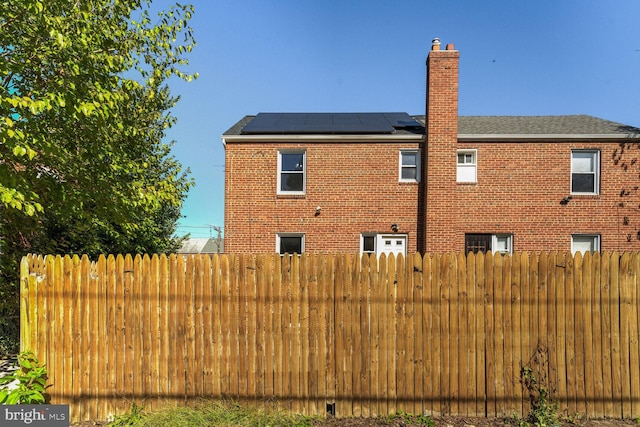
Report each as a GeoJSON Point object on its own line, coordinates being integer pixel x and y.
{"type": "Point", "coordinates": [390, 182]}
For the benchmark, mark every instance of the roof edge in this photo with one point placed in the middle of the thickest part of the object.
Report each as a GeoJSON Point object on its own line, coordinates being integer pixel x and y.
{"type": "Point", "coordinates": [546, 137]}
{"type": "Point", "coordinates": [322, 138]}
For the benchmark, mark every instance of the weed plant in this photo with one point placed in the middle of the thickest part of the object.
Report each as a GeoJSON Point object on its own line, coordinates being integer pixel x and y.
{"type": "Point", "coordinates": [407, 418]}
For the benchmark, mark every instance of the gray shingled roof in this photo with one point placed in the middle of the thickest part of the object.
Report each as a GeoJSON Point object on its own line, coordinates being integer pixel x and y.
{"type": "Point", "coordinates": [571, 125]}
{"type": "Point", "coordinates": [542, 125]}
{"type": "Point", "coordinates": [237, 128]}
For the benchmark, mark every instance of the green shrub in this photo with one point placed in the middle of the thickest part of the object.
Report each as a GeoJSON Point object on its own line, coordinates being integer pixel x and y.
{"type": "Point", "coordinates": [31, 378]}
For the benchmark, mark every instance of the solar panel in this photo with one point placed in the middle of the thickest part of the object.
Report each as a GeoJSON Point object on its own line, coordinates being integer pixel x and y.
{"type": "Point", "coordinates": [333, 123]}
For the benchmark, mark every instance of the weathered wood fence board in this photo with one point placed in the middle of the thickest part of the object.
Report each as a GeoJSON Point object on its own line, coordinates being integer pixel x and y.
{"type": "Point", "coordinates": [435, 334]}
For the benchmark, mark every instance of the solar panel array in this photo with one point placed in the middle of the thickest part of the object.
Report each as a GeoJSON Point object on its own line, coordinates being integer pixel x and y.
{"type": "Point", "coordinates": [329, 123]}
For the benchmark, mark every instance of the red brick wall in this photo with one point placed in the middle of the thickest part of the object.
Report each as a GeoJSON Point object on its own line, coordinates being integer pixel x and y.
{"type": "Point", "coordinates": [356, 184]}
{"type": "Point", "coordinates": [519, 189]}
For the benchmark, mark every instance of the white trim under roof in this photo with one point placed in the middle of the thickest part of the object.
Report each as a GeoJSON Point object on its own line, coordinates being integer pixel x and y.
{"type": "Point", "coordinates": [275, 137]}
{"type": "Point", "coordinates": [546, 137]}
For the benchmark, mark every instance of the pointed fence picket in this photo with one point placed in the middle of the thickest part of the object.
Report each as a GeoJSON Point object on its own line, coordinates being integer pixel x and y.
{"type": "Point", "coordinates": [346, 334]}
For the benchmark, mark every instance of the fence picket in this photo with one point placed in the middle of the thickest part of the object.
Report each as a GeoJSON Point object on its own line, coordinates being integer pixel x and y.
{"type": "Point", "coordinates": [296, 335]}
{"type": "Point", "coordinates": [498, 334]}
{"type": "Point", "coordinates": [313, 308]}
{"type": "Point", "coordinates": [560, 309]}
{"type": "Point", "coordinates": [516, 330]}
{"type": "Point", "coordinates": [207, 331]}
{"type": "Point", "coordinates": [242, 289]}
{"type": "Point", "coordinates": [429, 367]}
{"type": "Point", "coordinates": [197, 328]}
{"type": "Point", "coordinates": [626, 282]}
{"type": "Point", "coordinates": [580, 321]}
{"type": "Point", "coordinates": [258, 319]}
{"type": "Point", "coordinates": [279, 330]}
{"type": "Point", "coordinates": [305, 333]}
{"type": "Point", "coordinates": [418, 330]}
{"type": "Point", "coordinates": [133, 273]}
{"type": "Point", "coordinates": [605, 336]}
{"type": "Point", "coordinates": [634, 335]}
{"type": "Point", "coordinates": [390, 332]}
{"type": "Point", "coordinates": [589, 355]}
{"type": "Point", "coordinates": [101, 346]}
{"type": "Point", "coordinates": [329, 329]}
{"type": "Point", "coordinates": [383, 294]}
{"type": "Point", "coordinates": [511, 374]}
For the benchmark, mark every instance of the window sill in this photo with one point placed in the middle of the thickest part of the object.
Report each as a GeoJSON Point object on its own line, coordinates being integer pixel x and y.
{"type": "Point", "coordinates": [291, 196]}
{"type": "Point", "coordinates": [467, 183]}
{"type": "Point", "coordinates": [585, 196]}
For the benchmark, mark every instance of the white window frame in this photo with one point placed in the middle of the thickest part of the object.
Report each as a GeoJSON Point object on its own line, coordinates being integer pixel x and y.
{"type": "Point", "coordinates": [379, 239]}
{"type": "Point", "coordinates": [494, 243]}
{"type": "Point", "coordinates": [303, 172]}
{"type": "Point", "coordinates": [280, 235]}
{"type": "Point", "coordinates": [595, 172]}
{"type": "Point", "coordinates": [401, 166]}
{"type": "Point", "coordinates": [375, 244]}
{"type": "Point", "coordinates": [467, 172]}
{"type": "Point", "coordinates": [595, 241]}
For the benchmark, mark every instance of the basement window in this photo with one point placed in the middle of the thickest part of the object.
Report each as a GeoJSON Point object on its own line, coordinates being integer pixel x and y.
{"type": "Point", "coordinates": [496, 243]}
{"type": "Point", "coordinates": [290, 243]}
{"type": "Point", "coordinates": [377, 244]}
{"type": "Point", "coordinates": [585, 243]}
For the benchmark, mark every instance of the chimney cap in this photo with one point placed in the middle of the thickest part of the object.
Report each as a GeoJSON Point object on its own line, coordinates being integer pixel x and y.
{"type": "Point", "coordinates": [435, 44]}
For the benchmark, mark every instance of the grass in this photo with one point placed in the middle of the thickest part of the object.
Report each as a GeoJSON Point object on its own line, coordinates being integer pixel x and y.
{"type": "Point", "coordinates": [213, 413]}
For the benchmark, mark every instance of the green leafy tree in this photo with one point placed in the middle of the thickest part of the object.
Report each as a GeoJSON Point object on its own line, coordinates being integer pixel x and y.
{"type": "Point", "coordinates": [84, 107]}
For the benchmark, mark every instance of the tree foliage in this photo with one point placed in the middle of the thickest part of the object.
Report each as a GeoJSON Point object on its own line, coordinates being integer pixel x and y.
{"type": "Point", "coordinates": [84, 101]}
{"type": "Point", "coordinates": [84, 106]}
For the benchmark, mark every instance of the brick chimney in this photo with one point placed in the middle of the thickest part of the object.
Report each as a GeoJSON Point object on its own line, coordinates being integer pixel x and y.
{"type": "Point", "coordinates": [441, 144]}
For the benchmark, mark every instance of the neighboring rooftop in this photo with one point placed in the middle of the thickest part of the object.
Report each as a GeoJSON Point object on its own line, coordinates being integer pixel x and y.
{"type": "Point", "coordinates": [200, 246]}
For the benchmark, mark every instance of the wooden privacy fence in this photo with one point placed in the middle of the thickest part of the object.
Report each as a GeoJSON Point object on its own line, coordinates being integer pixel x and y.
{"type": "Point", "coordinates": [439, 334]}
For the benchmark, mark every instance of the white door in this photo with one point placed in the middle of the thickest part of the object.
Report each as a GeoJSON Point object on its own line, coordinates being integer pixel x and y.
{"type": "Point", "coordinates": [392, 244]}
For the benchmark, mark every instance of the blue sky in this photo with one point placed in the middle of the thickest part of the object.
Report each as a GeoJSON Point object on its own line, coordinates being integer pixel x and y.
{"type": "Point", "coordinates": [516, 58]}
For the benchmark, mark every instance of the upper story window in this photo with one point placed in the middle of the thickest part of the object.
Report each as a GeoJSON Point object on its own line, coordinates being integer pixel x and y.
{"type": "Point", "coordinates": [409, 165]}
{"type": "Point", "coordinates": [585, 243]}
{"type": "Point", "coordinates": [467, 170]}
{"type": "Point", "coordinates": [585, 172]}
{"type": "Point", "coordinates": [292, 171]}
